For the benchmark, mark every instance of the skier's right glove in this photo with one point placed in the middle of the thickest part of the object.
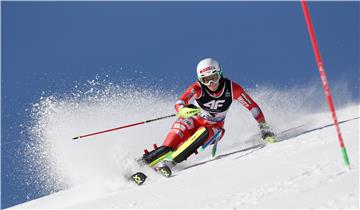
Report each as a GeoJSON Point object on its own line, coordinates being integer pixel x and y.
{"type": "Point", "coordinates": [188, 111]}
{"type": "Point", "coordinates": [266, 134]}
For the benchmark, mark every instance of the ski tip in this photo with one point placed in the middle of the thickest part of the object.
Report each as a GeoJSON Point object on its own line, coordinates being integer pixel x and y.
{"type": "Point", "coordinates": [139, 178]}
{"type": "Point", "coordinates": [165, 171]}
{"type": "Point", "coordinates": [77, 137]}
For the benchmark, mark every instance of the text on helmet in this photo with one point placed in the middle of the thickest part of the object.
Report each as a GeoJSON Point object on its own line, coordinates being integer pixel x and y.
{"type": "Point", "coordinates": [207, 69]}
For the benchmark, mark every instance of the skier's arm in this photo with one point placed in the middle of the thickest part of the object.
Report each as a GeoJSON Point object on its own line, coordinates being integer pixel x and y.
{"type": "Point", "coordinates": [240, 95]}
{"type": "Point", "coordinates": [194, 91]}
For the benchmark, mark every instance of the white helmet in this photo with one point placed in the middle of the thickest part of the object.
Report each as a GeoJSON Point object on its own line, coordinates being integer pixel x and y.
{"type": "Point", "coordinates": [208, 70]}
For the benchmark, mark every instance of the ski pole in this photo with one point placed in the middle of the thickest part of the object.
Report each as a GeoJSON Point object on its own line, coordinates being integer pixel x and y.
{"type": "Point", "coordinates": [214, 138]}
{"type": "Point", "coordinates": [124, 126]}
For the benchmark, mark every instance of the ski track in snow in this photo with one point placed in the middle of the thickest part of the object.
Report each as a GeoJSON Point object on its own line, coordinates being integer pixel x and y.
{"type": "Point", "coordinates": [297, 183]}
{"type": "Point", "coordinates": [304, 170]}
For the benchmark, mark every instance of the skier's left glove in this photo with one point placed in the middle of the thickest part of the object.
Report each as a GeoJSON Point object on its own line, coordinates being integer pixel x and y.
{"type": "Point", "coordinates": [188, 111]}
{"type": "Point", "coordinates": [266, 134]}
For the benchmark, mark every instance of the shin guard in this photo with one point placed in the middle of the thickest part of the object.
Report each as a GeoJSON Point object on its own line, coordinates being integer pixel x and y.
{"type": "Point", "coordinates": [157, 155]}
{"type": "Point", "coordinates": [190, 145]}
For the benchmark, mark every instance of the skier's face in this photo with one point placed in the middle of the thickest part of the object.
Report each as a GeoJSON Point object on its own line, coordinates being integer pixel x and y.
{"type": "Point", "coordinates": [211, 81]}
{"type": "Point", "coordinates": [212, 78]}
{"type": "Point", "coordinates": [213, 86]}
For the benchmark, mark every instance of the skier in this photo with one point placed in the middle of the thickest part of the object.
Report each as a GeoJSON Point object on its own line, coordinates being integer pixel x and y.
{"type": "Point", "coordinates": [213, 93]}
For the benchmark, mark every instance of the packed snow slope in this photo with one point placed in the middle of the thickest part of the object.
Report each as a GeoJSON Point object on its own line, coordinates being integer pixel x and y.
{"type": "Point", "coordinates": [304, 170]}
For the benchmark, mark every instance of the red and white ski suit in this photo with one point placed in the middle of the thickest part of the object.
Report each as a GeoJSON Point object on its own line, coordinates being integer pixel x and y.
{"type": "Point", "coordinates": [214, 107]}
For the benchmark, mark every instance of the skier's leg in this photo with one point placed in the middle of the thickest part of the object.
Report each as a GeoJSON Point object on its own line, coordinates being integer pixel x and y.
{"type": "Point", "coordinates": [190, 145]}
{"type": "Point", "coordinates": [180, 131]}
{"type": "Point", "coordinates": [200, 132]}
{"type": "Point", "coordinates": [204, 133]}
{"type": "Point", "coordinates": [185, 136]}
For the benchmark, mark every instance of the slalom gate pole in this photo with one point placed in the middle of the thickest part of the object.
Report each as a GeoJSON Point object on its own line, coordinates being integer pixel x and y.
{"type": "Point", "coordinates": [124, 126]}
{"type": "Point", "coordinates": [324, 80]}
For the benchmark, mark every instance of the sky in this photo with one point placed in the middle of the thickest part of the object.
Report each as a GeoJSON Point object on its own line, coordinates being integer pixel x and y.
{"type": "Point", "coordinates": [51, 47]}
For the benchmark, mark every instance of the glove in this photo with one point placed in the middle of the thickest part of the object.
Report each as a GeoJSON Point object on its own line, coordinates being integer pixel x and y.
{"type": "Point", "coordinates": [266, 134]}
{"type": "Point", "coordinates": [188, 111]}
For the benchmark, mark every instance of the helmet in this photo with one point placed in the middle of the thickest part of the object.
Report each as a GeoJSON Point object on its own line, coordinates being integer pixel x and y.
{"type": "Point", "coordinates": [208, 70]}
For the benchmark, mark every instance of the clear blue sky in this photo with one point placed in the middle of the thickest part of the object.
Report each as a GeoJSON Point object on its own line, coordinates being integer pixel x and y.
{"type": "Point", "coordinates": [50, 46]}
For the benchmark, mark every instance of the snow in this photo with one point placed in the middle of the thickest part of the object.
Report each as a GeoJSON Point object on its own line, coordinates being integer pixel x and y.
{"type": "Point", "coordinates": [304, 170]}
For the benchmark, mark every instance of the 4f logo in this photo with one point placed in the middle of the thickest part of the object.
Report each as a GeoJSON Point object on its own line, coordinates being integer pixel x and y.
{"type": "Point", "coordinates": [214, 104]}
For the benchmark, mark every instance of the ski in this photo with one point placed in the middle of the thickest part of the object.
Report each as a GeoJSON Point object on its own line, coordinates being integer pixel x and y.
{"type": "Point", "coordinates": [139, 178]}
{"type": "Point", "coordinates": [164, 170]}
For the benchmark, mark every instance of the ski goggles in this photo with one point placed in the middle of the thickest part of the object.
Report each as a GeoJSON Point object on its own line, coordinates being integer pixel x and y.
{"type": "Point", "coordinates": [210, 78]}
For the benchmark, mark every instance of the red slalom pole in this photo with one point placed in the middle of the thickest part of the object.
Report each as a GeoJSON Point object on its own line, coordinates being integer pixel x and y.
{"type": "Point", "coordinates": [124, 126]}
{"type": "Point", "coordinates": [324, 80]}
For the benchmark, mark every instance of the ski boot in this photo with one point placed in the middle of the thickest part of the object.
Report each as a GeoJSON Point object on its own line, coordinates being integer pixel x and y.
{"type": "Point", "coordinates": [156, 160]}
{"type": "Point", "coordinates": [266, 134]}
{"type": "Point", "coordinates": [153, 159]}
{"type": "Point", "coordinates": [156, 156]}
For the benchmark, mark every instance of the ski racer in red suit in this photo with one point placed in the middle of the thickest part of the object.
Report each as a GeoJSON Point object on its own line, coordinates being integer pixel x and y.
{"type": "Point", "coordinates": [213, 94]}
